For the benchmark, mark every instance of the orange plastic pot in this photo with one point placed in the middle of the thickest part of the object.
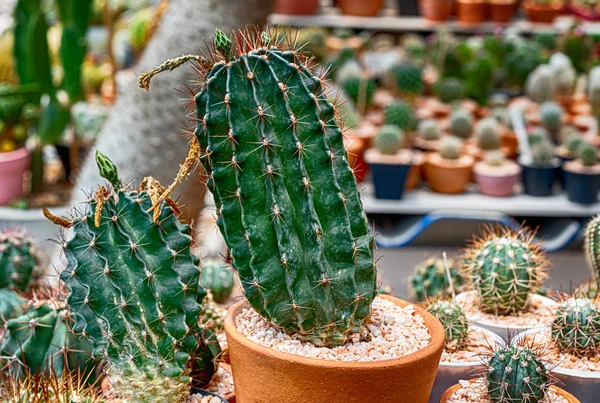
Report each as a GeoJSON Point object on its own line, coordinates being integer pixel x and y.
{"type": "Point", "coordinates": [362, 8]}
{"type": "Point", "coordinates": [448, 394]}
{"type": "Point", "coordinates": [445, 177]}
{"type": "Point", "coordinates": [297, 7]}
{"type": "Point", "coordinates": [263, 375]}
{"type": "Point", "coordinates": [471, 11]}
{"type": "Point", "coordinates": [435, 10]}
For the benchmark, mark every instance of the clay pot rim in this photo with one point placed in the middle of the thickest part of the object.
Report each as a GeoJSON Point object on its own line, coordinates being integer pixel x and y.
{"type": "Point", "coordinates": [568, 168]}
{"type": "Point", "coordinates": [555, 6]}
{"type": "Point", "coordinates": [480, 169]}
{"type": "Point", "coordinates": [436, 343]}
{"type": "Point", "coordinates": [469, 161]}
{"type": "Point", "coordinates": [11, 156]}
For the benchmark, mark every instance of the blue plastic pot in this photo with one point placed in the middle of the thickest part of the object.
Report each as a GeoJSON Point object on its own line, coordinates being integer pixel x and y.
{"type": "Point", "coordinates": [581, 188]}
{"type": "Point", "coordinates": [389, 180]}
{"type": "Point", "coordinates": [539, 181]}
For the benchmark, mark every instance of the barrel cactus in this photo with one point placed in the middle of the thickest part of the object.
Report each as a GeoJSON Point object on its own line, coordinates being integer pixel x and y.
{"type": "Point", "coordinates": [408, 79]}
{"type": "Point", "coordinates": [430, 279]}
{"type": "Point", "coordinates": [456, 324]}
{"type": "Point", "coordinates": [20, 265]}
{"type": "Point", "coordinates": [283, 188]}
{"type": "Point", "coordinates": [505, 267]}
{"type": "Point", "coordinates": [451, 147]}
{"type": "Point", "coordinates": [389, 140]}
{"type": "Point", "coordinates": [399, 113]}
{"type": "Point", "coordinates": [588, 155]}
{"type": "Point", "coordinates": [429, 129]}
{"type": "Point", "coordinates": [217, 277]}
{"type": "Point", "coordinates": [361, 91]}
{"type": "Point", "coordinates": [461, 123]}
{"type": "Point", "coordinates": [576, 328]}
{"type": "Point", "coordinates": [450, 90]}
{"type": "Point", "coordinates": [11, 305]}
{"type": "Point", "coordinates": [516, 374]}
{"type": "Point", "coordinates": [134, 290]}
{"type": "Point", "coordinates": [494, 158]}
{"type": "Point", "coordinates": [551, 115]}
{"type": "Point", "coordinates": [488, 134]}
{"type": "Point", "coordinates": [591, 247]}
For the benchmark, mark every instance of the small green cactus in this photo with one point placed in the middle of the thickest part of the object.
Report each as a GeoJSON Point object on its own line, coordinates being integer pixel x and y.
{"type": "Point", "coordinates": [450, 90]}
{"type": "Point", "coordinates": [461, 124]}
{"type": "Point", "coordinates": [361, 91]}
{"type": "Point", "coordinates": [20, 263]}
{"type": "Point", "coordinates": [538, 135]}
{"type": "Point", "coordinates": [591, 247]}
{"type": "Point", "coordinates": [415, 47]}
{"type": "Point", "coordinates": [495, 158]}
{"type": "Point", "coordinates": [409, 79]}
{"type": "Point", "coordinates": [450, 147]}
{"type": "Point", "coordinates": [456, 324]}
{"type": "Point", "coordinates": [11, 305]}
{"type": "Point", "coordinates": [430, 279]}
{"type": "Point", "coordinates": [400, 114]}
{"type": "Point", "coordinates": [551, 115]}
{"type": "Point", "coordinates": [140, 27]}
{"type": "Point", "coordinates": [588, 155]}
{"type": "Point", "coordinates": [542, 153]}
{"type": "Point", "coordinates": [505, 268]}
{"type": "Point", "coordinates": [217, 277]}
{"type": "Point", "coordinates": [389, 139]}
{"type": "Point", "coordinates": [429, 129]}
{"type": "Point", "coordinates": [573, 143]}
{"type": "Point", "coordinates": [488, 134]}
{"type": "Point", "coordinates": [576, 328]}
{"type": "Point", "coordinates": [540, 86]}
{"type": "Point", "coordinates": [213, 316]}
{"type": "Point", "coordinates": [516, 375]}
{"type": "Point", "coordinates": [312, 41]}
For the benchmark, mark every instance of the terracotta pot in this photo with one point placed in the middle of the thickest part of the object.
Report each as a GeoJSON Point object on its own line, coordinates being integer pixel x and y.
{"type": "Point", "coordinates": [510, 142]}
{"type": "Point", "coordinates": [264, 375]}
{"type": "Point", "coordinates": [414, 178]}
{"type": "Point", "coordinates": [362, 8]}
{"type": "Point", "coordinates": [297, 7]}
{"type": "Point", "coordinates": [435, 10]}
{"type": "Point", "coordinates": [471, 11]}
{"type": "Point", "coordinates": [542, 13]}
{"type": "Point", "coordinates": [13, 165]}
{"type": "Point", "coordinates": [502, 11]}
{"type": "Point", "coordinates": [450, 177]}
{"type": "Point", "coordinates": [448, 394]}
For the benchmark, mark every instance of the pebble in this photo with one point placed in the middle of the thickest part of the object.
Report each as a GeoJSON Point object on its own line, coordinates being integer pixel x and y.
{"type": "Point", "coordinates": [475, 349]}
{"type": "Point", "coordinates": [554, 357]}
{"type": "Point", "coordinates": [475, 392]}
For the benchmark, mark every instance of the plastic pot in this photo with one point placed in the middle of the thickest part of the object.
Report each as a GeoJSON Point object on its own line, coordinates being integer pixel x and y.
{"type": "Point", "coordinates": [262, 374]}
{"type": "Point", "coordinates": [389, 180]}
{"type": "Point", "coordinates": [449, 177]}
{"type": "Point", "coordinates": [502, 11]}
{"type": "Point", "coordinates": [539, 181]}
{"type": "Point", "coordinates": [471, 11]}
{"type": "Point", "coordinates": [542, 13]}
{"type": "Point", "coordinates": [297, 7]}
{"type": "Point", "coordinates": [408, 7]}
{"type": "Point", "coordinates": [569, 397]}
{"type": "Point", "coordinates": [435, 10]}
{"type": "Point", "coordinates": [496, 185]}
{"type": "Point", "coordinates": [13, 165]}
{"type": "Point", "coordinates": [362, 8]}
{"type": "Point", "coordinates": [581, 187]}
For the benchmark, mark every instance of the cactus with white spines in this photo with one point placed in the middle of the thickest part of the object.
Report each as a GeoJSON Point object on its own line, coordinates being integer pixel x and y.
{"type": "Point", "coordinates": [389, 139]}
{"type": "Point", "coordinates": [20, 263]}
{"type": "Point", "coordinates": [451, 147]}
{"type": "Point", "coordinates": [488, 134]}
{"type": "Point", "coordinates": [454, 320]}
{"type": "Point", "coordinates": [576, 328]}
{"type": "Point", "coordinates": [461, 123]}
{"type": "Point", "coordinates": [429, 129]}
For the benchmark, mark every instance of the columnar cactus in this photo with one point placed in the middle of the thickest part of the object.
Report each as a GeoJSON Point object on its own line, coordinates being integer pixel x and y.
{"type": "Point", "coordinates": [488, 134]}
{"type": "Point", "coordinates": [461, 124]}
{"type": "Point", "coordinates": [389, 140]}
{"type": "Point", "coordinates": [456, 324]}
{"type": "Point", "coordinates": [591, 247]}
{"type": "Point", "coordinates": [217, 277]}
{"type": "Point", "coordinates": [399, 113]}
{"type": "Point", "coordinates": [551, 114]}
{"type": "Point", "coordinates": [429, 129]}
{"type": "Point", "coordinates": [450, 90]}
{"type": "Point", "coordinates": [576, 328]}
{"type": "Point", "coordinates": [430, 279]}
{"type": "Point", "coordinates": [409, 79]}
{"type": "Point", "coordinates": [516, 375]}
{"type": "Point", "coordinates": [287, 201]}
{"type": "Point", "coordinates": [505, 267]}
{"type": "Point", "coordinates": [19, 261]}
{"type": "Point", "coordinates": [134, 289]}
{"type": "Point", "coordinates": [451, 147]}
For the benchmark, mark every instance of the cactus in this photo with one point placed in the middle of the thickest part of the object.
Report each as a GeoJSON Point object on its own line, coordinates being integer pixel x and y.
{"type": "Point", "coordinates": [450, 147]}
{"type": "Point", "coordinates": [540, 85]}
{"type": "Point", "coordinates": [461, 123]}
{"type": "Point", "coordinates": [284, 189]}
{"type": "Point", "coordinates": [449, 90]}
{"type": "Point", "coordinates": [547, 40]}
{"type": "Point", "coordinates": [516, 374]}
{"type": "Point", "coordinates": [409, 80]}
{"type": "Point", "coordinates": [542, 153]}
{"type": "Point", "coordinates": [415, 47]}
{"type": "Point", "coordinates": [11, 305]}
{"type": "Point", "coordinates": [430, 279]}
{"type": "Point", "coordinates": [389, 139]}
{"type": "Point", "coordinates": [398, 113]}
{"type": "Point", "coordinates": [588, 155]}
{"type": "Point", "coordinates": [217, 278]}
{"type": "Point", "coordinates": [430, 130]}
{"type": "Point", "coordinates": [576, 328]}
{"type": "Point", "coordinates": [591, 248]}
{"type": "Point", "coordinates": [488, 134]}
{"type": "Point", "coordinates": [361, 91]}
{"type": "Point", "coordinates": [495, 158]}
{"type": "Point", "coordinates": [348, 71]}
{"type": "Point", "coordinates": [594, 91]}
{"type": "Point", "coordinates": [551, 115]}
{"type": "Point", "coordinates": [505, 267]}
{"type": "Point", "coordinates": [456, 324]}
{"type": "Point", "coordinates": [312, 41]}
{"type": "Point", "coordinates": [578, 47]}
{"type": "Point", "coordinates": [213, 316]}
{"type": "Point", "coordinates": [564, 73]}
{"type": "Point", "coordinates": [538, 135]}
{"type": "Point", "coordinates": [139, 29]}
{"type": "Point", "coordinates": [20, 266]}
{"type": "Point", "coordinates": [573, 143]}
{"type": "Point", "coordinates": [134, 290]}
{"type": "Point", "coordinates": [479, 77]}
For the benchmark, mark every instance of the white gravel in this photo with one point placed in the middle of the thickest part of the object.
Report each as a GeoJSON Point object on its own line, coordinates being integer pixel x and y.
{"type": "Point", "coordinates": [476, 347]}
{"type": "Point", "coordinates": [475, 392]}
{"type": "Point", "coordinates": [392, 332]}
{"type": "Point", "coordinates": [221, 384]}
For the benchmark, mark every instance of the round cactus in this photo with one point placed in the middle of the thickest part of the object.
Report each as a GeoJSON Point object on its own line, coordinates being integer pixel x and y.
{"type": "Point", "coordinates": [450, 147]}
{"type": "Point", "coordinates": [551, 114]}
{"type": "Point", "coordinates": [573, 143]}
{"type": "Point", "coordinates": [389, 139]}
{"type": "Point", "coordinates": [576, 328]}
{"type": "Point", "coordinates": [312, 40]}
{"type": "Point", "coordinates": [409, 80]}
{"type": "Point", "coordinates": [516, 375]}
{"type": "Point", "coordinates": [494, 158]}
{"type": "Point", "coordinates": [505, 267]}
{"type": "Point", "coordinates": [11, 305]}
{"type": "Point", "coordinates": [399, 113]}
{"type": "Point", "coordinates": [538, 135]}
{"type": "Point", "coordinates": [565, 74]}
{"type": "Point", "coordinates": [430, 279]}
{"type": "Point", "coordinates": [588, 155]}
{"type": "Point", "coordinates": [461, 123]}
{"type": "Point", "coordinates": [414, 46]}
{"type": "Point", "coordinates": [456, 324]}
{"type": "Point", "coordinates": [542, 153]}
{"type": "Point", "coordinates": [488, 134]}
{"type": "Point", "coordinates": [19, 261]}
{"type": "Point", "coordinates": [361, 91]}
{"type": "Point", "coordinates": [430, 129]}
{"type": "Point", "coordinates": [591, 247]}
{"type": "Point", "coordinates": [450, 90]}
{"type": "Point", "coordinates": [217, 278]}
{"type": "Point", "coordinates": [540, 86]}
{"type": "Point", "coordinates": [348, 71]}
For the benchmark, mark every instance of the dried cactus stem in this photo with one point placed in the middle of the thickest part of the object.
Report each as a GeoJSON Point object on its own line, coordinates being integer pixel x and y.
{"type": "Point", "coordinates": [169, 65]}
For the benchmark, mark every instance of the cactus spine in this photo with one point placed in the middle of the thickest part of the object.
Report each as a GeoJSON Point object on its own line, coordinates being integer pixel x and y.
{"type": "Point", "coordinates": [505, 267]}
{"type": "Point", "coordinates": [217, 278]}
{"type": "Point", "coordinates": [134, 290]}
{"type": "Point", "coordinates": [456, 324]}
{"type": "Point", "coordinates": [591, 247]}
{"type": "Point", "coordinates": [576, 328]}
{"type": "Point", "coordinates": [430, 279]}
{"type": "Point", "coordinates": [19, 261]}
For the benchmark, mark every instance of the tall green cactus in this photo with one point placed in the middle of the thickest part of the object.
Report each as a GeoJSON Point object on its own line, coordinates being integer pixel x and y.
{"type": "Point", "coordinates": [576, 328]}
{"type": "Point", "coordinates": [135, 293]}
{"type": "Point", "coordinates": [20, 265]}
{"type": "Point", "coordinates": [591, 247]}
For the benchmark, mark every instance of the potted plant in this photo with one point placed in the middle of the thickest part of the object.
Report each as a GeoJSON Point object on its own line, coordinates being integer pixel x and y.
{"type": "Point", "coordinates": [408, 81]}
{"type": "Point", "coordinates": [496, 175]}
{"type": "Point", "coordinates": [448, 170]}
{"type": "Point", "coordinates": [360, 90]}
{"type": "Point", "coordinates": [318, 312]}
{"type": "Point", "coordinates": [592, 257]}
{"type": "Point", "coordinates": [429, 134]}
{"type": "Point", "coordinates": [399, 113]}
{"type": "Point", "coordinates": [450, 90]}
{"type": "Point", "coordinates": [435, 10]}
{"type": "Point", "coordinates": [430, 279]}
{"type": "Point", "coordinates": [496, 302]}
{"type": "Point", "coordinates": [572, 142]}
{"type": "Point", "coordinates": [461, 124]}
{"type": "Point", "coordinates": [543, 11]}
{"type": "Point", "coordinates": [360, 8]}
{"type": "Point", "coordinates": [471, 11]}
{"type": "Point", "coordinates": [502, 11]}
{"type": "Point", "coordinates": [586, 9]}
{"type": "Point", "coordinates": [551, 116]}
{"type": "Point", "coordinates": [541, 172]}
{"type": "Point", "coordinates": [297, 7]}
{"type": "Point", "coordinates": [582, 176]}
{"type": "Point", "coordinates": [390, 162]}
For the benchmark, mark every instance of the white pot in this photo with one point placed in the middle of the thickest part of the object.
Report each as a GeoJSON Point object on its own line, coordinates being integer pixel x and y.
{"type": "Point", "coordinates": [504, 331]}
{"type": "Point", "coordinates": [585, 385]}
{"type": "Point", "coordinates": [449, 373]}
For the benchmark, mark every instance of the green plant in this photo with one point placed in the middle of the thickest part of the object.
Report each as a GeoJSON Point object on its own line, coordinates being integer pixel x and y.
{"type": "Point", "coordinates": [564, 73]}
{"type": "Point", "coordinates": [540, 85]}
{"type": "Point", "coordinates": [542, 153]}
{"type": "Point", "coordinates": [551, 114]}
{"type": "Point", "coordinates": [213, 316]}
{"type": "Point", "coordinates": [450, 89]}
{"type": "Point", "coordinates": [398, 113]}
{"type": "Point", "coordinates": [505, 268]}
{"type": "Point", "coordinates": [389, 140]}
{"type": "Point", "coordinates": [578, 46]}
{"type": "Point", "coordinates": [304, 256]}
{"type": "Point", "coordinates": [456, 324]}
{"type": "Point", "coordinates": [538, 135]}
{"type": "Point", "coordinates": [516, 374]}
{"type": "Point", "coordinates": [573, 143]}
{"type": "Point", "coordinates": [139, 29]}
{"type": "Point", "coordinates": [450, 147]}
{"type": "Point", "coordinates": [547, 40]}
{"type": "Point", "coordinates": [494, 158]}
{"type": "Point", "coordinates": [591, 248]}
{"type": "Point", "coordinates": [461, 123]}
{"type": "Point", "coordinates": [20, 263]}
{"type": "Point", "coordinates": [430, 279]}
{"type": "Point", "coordinates": [361, 91]}
{"type": "Point", "coordinates": [409, 80]}
{"type": "Point", "coordinates": [429, 129]}
{"type": "Point", "coordinates": [11, 305]}
{"type": "Point", "coordinates": [576, 328]}
{"type": "Point", "coordinates": [312, 41]}
{"type": "Point", "coordinates": [217, 278]}
{"type": "Point", "coordinates": [479, 78]}
{"type": "Point", "coordinates": [594, 91]}
{"type": "Point", "coordinates": [588, 155]}
{"type": "Point", "coordinates": [415, 47]}
{"type": "Point", "coordinates": [521, 61]}
{"type": "Point", "coordinates": [134, 290]}
{"type": "Point", "coordinates": [488, 134]}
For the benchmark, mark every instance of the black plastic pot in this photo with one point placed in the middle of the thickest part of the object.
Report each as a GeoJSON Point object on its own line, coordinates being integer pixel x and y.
{"type": "Point", "coordinates": [389, 180]}
{"type": "Point", "coordinates": [202, 392]}
{"type": "Point", "coordinates": [581, 188]}
{"type": "Point", "coordinates": [408, 7]}
{"type": "Point", "coordinates": [539, 181]}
